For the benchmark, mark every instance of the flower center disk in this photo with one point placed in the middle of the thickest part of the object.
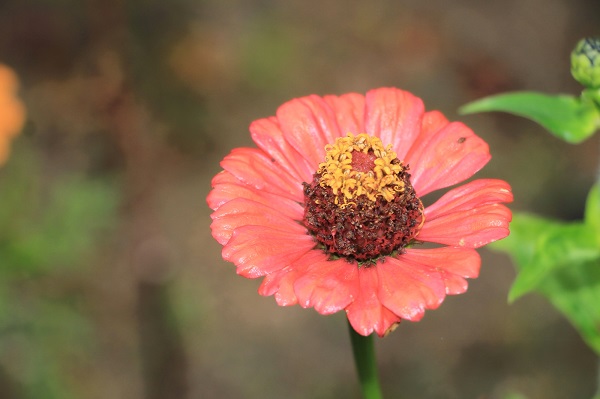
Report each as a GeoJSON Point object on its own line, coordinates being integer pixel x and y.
{"type": "Point", "coordinates": [361, 204]}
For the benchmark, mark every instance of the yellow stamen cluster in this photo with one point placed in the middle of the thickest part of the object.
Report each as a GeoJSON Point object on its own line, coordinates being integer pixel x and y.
{"type": "Point", "coordinates": [337, 171]}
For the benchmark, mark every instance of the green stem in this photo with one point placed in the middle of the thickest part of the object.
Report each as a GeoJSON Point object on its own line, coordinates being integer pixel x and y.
{"type": "Point", "coordinates": [364, 358]}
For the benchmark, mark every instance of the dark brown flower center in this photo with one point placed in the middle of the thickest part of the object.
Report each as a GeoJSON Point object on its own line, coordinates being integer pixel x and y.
{"type": "Point", "coordinates": [361, 204]}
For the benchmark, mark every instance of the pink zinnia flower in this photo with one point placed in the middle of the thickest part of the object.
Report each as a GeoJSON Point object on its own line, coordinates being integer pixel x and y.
{"type": "Point", "coordinates": [328, 207]}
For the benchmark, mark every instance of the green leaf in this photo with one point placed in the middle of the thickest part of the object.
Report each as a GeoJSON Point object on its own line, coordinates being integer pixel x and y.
{"type": "Point", "coordinates": [592, 209]}
{"type": "Point", "coordinates": [558, 247]}
{"type": "Point", "coordinates": [521, 244]}
{"type": "Point", "coordinates": [562, 262]}
{"type": "Point", "coordinates": [575, 291]}
{"type": "Point", "coordinates": [540, 247]}
{"type": "Point", "coordinates": [567, 117]}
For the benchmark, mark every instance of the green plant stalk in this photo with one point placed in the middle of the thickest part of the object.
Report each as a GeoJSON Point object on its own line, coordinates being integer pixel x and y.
{"type": "Point", "coordinates": [597, 396]}
{"type": "Point", "coordinates": [366, 366]}
{"type": "Point", "coordinates": [598, 171]}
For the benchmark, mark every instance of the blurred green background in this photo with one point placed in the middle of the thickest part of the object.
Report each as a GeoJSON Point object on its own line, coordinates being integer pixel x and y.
{"type": "Point", "coordinates": [111, 285]}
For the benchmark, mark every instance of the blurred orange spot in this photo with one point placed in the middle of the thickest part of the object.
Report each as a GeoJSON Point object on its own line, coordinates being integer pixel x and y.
{"type": "Point", "coordinates": [12, 111]}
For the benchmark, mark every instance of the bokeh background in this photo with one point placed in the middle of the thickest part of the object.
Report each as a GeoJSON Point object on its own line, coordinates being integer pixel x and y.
{"type": "Point", "coordinates": [111, 285]}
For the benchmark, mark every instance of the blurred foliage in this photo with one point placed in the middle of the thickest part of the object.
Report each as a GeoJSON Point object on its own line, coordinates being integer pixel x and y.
{"type": "Point", "coordinates": [515, 395]}
{"type": "Point", "coordinates": [43, 227]}
{"type": "Point", "coordinates": [154, 28]}
{"type": "Point", "coordinates": [269, 55]}
{"type": "Point", "coordinates": [47, 229]}
{"type": "Point", "coordinates": [562, 262]}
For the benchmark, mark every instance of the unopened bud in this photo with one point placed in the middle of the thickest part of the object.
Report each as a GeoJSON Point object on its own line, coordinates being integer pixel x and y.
{"type": "Point", "coordinates": [585, 62]}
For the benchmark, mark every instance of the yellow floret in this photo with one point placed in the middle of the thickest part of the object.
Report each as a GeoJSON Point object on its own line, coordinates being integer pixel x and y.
{"type": "Point", "coordinates": [336, 172]}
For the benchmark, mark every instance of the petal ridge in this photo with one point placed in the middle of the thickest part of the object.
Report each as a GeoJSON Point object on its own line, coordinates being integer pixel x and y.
{"type": "Point", "coordinates": [258, 250]}
{"type": "Point", "coordinates": [267, 135]}
{"type": "Point", "coordinates": [366, 313]}
{"type": "Point", "coordinates": [471, 215]}
{"type": "Point", "coordinates": [245, 212]}
{"type": "Point", "coordinates": [446, 153]}
{"type": "Point", "coordinates": [327, 285]}
{"type": "Point", "coordinates": [453, 263]}
{"type": "Point", "coordinates": [408, 288]}
{"type": "Point", "coordinates": [308, 124]}
{"type": "Point", "coordinates": [255, 168]}
{"type": "Point", "coordinates": [395, 116]}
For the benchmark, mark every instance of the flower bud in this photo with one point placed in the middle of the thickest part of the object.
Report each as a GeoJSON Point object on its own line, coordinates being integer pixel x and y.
{"type": "Point", "coordinates": [585, 62]}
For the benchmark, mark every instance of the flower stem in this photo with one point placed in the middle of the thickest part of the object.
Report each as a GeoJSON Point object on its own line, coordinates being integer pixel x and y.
{"type": "Point", "coordinates": [364, 358]}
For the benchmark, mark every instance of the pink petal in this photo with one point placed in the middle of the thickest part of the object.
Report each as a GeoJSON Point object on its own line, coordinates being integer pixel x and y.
{"type": "Point", "coordinates": [243, 212]}
{"type": "Point", "coordinates": [432, 123]}
{"type": "Point", "coordinates": [408, 288]}
{"type": "Point", "coordinates": [308, 124]}
{"type": "Point", "coordinates": [281, 284]}
{"type": "Point", "coordinates": [453, 264]}
{"type": "Point", "coordinates": [446, 156]}
{"type": "Point", "coordinates": [267, 134]}
{"type": "Point", "coordinates": [226, 188]}
{"type": "Point", "coordinates": [259, 250]}
{"type": "Point", "coordinates": [470, 215]}
{"type": "Point", "coordinates": [327, 285]}
{"type": "Point", "coordinates": [366, 313]}
{"type": "Point", "coordinates": [349, 110]}
{"type": "Point", "coordinates": [254, 168]}
{"type": "Point", "coordinates": [395, 117]}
